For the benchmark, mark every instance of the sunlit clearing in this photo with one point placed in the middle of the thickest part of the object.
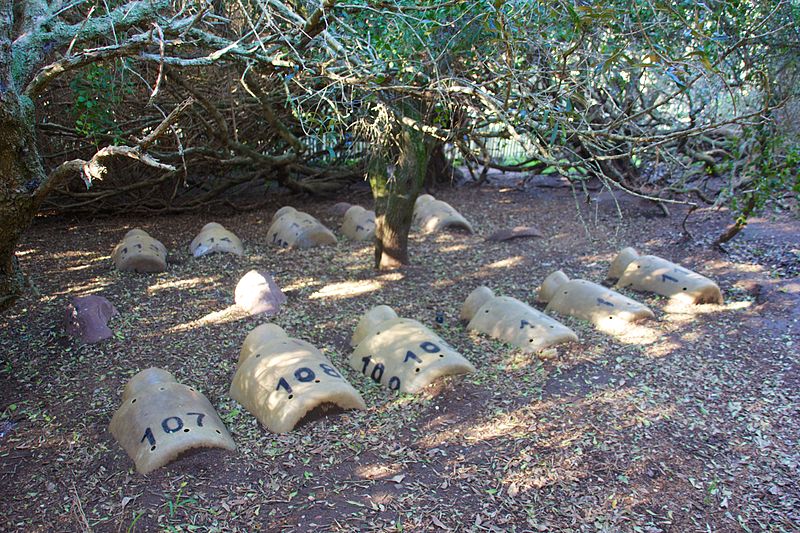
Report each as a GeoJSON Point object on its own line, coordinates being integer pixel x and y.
{"type": "Point", "coordinates": [229, 314]}
{"type": "Point", "coordinates": [346, 289]}
{"type": "Point", "coordinates": [180, 284]}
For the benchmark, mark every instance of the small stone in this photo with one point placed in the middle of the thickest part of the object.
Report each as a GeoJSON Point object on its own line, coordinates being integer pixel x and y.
{"type": "Point", "coordinates": [258, 293]}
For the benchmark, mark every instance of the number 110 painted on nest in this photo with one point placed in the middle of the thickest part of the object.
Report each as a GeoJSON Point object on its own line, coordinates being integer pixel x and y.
{"type": "Point", "coordinates": [394, 381]}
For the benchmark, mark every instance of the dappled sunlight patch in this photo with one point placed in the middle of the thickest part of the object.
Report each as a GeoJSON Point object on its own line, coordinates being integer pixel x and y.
{"type": "Point", "coordinates": [301, 283]}
{"type": "Point", "coordinates": [454, 248]}
{"type": "Point", "coordinates": [631, 333]}
{"type": "Point", "coordinates": [231, 313]}
{"type": "Point", "coordinates": [181, 284]}
{"type": "Point", "coordinates": [663, 349]}
{"type": "Point", "coordinates": [376, 471]}
{"type": "Point", "coordinates": [346, 289]}
{"type": "Point", "coordinates": [94, 285]}
{"type": "Point", "coordinates": [682, 311]}
{"type": "Point", "coordinates": [74, 254]}
{"type": "Point", "coordinates": [391, 276]}
{"type": "Point", "coordinates": [509, 262]}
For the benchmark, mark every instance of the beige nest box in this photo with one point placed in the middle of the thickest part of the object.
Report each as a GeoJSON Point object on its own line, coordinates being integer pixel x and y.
{"type": "Point", "coordinates": [589, 301]}
{"type": "Point", "coordinates": [513, 321]}
{"type": "Point", "coordinates": [651, 273]}
{"type": "Point", "coordinates": [159, 419]}
{"type": "Point", "coordinates": [139, 252]}
{"type": "Point", "coordinates": [214, 238]}
{"type": "Point", "coordinates": [294, 229]}
{"type": "Point", "coordinates": [401, 353]}
{"type": "Point", "coordinates": [280, 379]}
{"type": "Point", "coordinates": [358, 224]}
{"type": "Point", "coordinates": [432, 215]}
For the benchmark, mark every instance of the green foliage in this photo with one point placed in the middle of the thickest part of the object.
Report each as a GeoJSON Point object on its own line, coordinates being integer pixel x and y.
{"type": "Point", "coordinates": [97, 90]}
{"type": "Point", "coordinates": [775, 171]}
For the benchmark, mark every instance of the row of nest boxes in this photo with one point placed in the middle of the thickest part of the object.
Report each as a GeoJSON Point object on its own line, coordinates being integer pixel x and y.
{"type": "Point", "coordinates": [290, 228]}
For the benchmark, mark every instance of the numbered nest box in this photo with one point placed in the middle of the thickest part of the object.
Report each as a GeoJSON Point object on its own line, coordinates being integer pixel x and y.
{"type": "Point", "coordinates": [401, 353]}
{"type": "Point", "coordinates": [214, 238]}
{"type": "Point", "coordinates": [139, 252]}
{"type": "Point", "coordinates": [294, 229]}
{"type": "Point", "coordinates": [513, 321]}
{"type": "Point", "coordinates": [654, 274]}
{"type": "Point", "coordinates": [432, 215]}
{"type": "Point", "coordinates": [159, 419]}
{"type": "Point", "coordinates": [589, 301]}
{"type": "Point", "coordinates": [280, 380]}
{"type": "Point", "coordinates": [359, 224]}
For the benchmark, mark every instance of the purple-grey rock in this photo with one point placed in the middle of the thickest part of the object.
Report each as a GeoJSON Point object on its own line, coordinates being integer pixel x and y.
{"type": "Point", "coordinates": [86, 318]}
{"type": "Point", "coordinates": [258, 293]}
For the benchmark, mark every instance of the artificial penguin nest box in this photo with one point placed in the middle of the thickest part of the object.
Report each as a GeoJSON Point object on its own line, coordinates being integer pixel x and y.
{"type": "Point", "coordinates": [359, 223]}
{"type": "Point", "coordinates": [139, 252]}
{"type": "Point", "coordinates": [401, 353]}
{"type": "Point", "coordinates": [295, 229]}
{"type": "Point", "coordinates": [432, 215]}
{"type": "Point", "coordinates": [513, 321]}
{"type": "Point", "coordinates": [589, 301]}
{"type": "Point", "coordinates": [654, 274]}
{"type": "Point", "coordinates": [280, 379]}
{"type": "Point", "coordinates": [160, 419]}
{"type": "Point", "coordinates": [87, 317]}
{"type": "Point", "coordinates": [258, 293]}
{"type": "Point", "coordinates": [214, 238]}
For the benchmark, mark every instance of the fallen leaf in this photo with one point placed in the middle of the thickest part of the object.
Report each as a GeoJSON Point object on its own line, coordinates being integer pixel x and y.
{"type": "Point", "coordinates": [513, 490]}
{"type": "Point", "coordinates": [438, 523]}
{"type": "Point", "coordinates": [398, 478]}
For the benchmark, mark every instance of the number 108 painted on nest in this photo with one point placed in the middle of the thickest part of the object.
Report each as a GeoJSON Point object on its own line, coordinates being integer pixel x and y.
{"type": "Point", "coordinates": [306, 375]}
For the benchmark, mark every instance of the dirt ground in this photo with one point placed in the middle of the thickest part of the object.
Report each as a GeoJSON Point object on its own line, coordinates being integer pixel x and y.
{"type": "Point", "coordinates": [689, 423]}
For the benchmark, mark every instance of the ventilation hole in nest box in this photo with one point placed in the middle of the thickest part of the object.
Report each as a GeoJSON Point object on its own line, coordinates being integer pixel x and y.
{"type": "Point", "coordinates": [316, 381]}
{"type": "Point", "coordinates": [186, 430]}
{"type": "Point", "coordinates": [610, 317]}
{"type": "Point", "coordinates": [417, 370]}
{"type": "Point", "coordinates": [441, 355]}
{"type": "Point", "coordinates": [133, 401]}
{"type": "Point", "coordinates": [684, 288]}
{"type": "Point", "coordinates": [152, 448]}
{"type": "Point", "coordinates": [291, 396]}
{"type": "Point", "coordinates": [161, 388]}
{"type": "Point", "coordinates": [218, 431]}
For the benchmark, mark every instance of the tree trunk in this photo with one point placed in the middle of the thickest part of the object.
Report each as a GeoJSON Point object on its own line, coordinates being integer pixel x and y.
{"type": "Point", "coordinates": [21, 179]}
{"type": "Point", "coordinates": [395, 196]}
{"type": "Point", "coordinates": [440, 171]}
